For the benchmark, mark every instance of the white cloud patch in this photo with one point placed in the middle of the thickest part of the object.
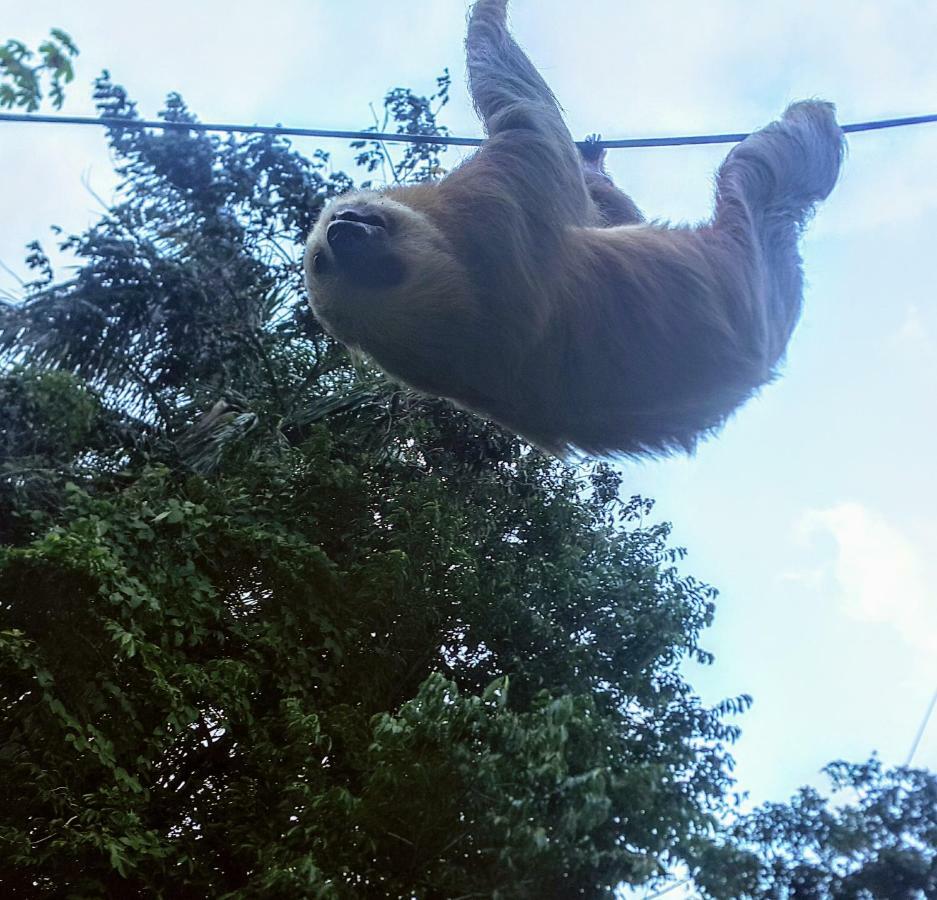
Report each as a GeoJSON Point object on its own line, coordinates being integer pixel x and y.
{"type": "Point", "coordinates": [882, 575]}
{"type": "Point", "coordinates": [913, 334]}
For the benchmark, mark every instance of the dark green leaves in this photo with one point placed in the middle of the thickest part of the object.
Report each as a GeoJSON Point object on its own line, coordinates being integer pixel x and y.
{"type": "Point", "coordinates": [876, 837]}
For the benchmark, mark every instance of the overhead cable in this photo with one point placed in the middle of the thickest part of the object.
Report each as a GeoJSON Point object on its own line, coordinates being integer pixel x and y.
{"type": "Point", "coordinates": [122, 122]}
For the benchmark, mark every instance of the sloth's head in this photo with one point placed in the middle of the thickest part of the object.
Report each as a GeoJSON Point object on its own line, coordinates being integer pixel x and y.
{"type": "Point", "coordinates": [383, 277]}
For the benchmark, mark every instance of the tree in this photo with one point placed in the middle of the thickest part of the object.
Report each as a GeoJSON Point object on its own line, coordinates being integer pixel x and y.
{"type": "Point", "coordinates": [271, 626]}
{"type": "Point", "coordinates": [876, 839]}
{"type": "Point", "coordinates": [21, 82]}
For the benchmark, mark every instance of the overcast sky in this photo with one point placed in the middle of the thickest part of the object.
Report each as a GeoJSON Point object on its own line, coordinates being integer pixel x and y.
{"type": "Point", "coordinates": [815, 511]}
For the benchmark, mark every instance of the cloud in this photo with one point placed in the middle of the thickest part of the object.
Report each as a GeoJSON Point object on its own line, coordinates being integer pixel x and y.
{"type": "Point", "coordinates": [913, 335]}
{"type": "Point", "coordinates": [882, 575]}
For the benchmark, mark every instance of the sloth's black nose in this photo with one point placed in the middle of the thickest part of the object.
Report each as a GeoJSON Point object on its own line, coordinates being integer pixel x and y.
{"type": "Point", "coordinates": [359, 215]}
{"type": "Point", "coordinates": [352, 226]}
{"type": "Point", "coordinates": [362, 249]}
{"type": "Point", "coordinates": [345, 233]}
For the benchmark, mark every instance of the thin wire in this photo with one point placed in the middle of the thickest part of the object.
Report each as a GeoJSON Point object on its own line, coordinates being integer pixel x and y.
{"type": "Point", "coordinates": [140, 124]}
{"type": "Point", "coordinates": [667, 890]}
{"type": "Point", "coordinates": [449, 140]}
{"type": "Point", "coordinates": [922, 729]}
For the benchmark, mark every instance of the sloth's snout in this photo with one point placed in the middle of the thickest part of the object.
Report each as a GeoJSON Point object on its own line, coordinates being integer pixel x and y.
{"type": "Point", "coordinates": [344, 234]}
{"type": "Point", "coordinates": [359, 215]}
{"type": "Point", "coordinates": [351, 227]}
{"type": "Point", "coordinates": [360, 246]}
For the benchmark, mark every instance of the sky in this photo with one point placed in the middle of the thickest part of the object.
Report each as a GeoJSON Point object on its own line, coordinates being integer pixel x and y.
{"type": "Point", "coordinates": [815, 510]}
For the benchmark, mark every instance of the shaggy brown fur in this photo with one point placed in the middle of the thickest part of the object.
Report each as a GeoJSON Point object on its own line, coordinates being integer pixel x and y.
{"type": "Point", "coordinates": [526, 287]}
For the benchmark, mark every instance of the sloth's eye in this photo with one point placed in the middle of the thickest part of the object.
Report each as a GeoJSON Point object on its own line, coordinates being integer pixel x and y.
{"type": "Point", "coordinates": [318, 264]}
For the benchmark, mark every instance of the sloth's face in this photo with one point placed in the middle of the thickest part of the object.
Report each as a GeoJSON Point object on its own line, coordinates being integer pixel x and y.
{"type": "Point", "coordinates": [381, 276]}
{"type": "Point", "coordinates": [352, 258]}
{"type": "Point", "coordinates": [355, 243]}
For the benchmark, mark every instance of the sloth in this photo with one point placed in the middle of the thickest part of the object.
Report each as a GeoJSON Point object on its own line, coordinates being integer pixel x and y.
{"type": "Point", "coordinates": [525, 287]}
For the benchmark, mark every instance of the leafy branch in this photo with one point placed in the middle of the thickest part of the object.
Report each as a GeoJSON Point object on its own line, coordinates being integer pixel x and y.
{"type": "Point", "coordinates": [21, 79]}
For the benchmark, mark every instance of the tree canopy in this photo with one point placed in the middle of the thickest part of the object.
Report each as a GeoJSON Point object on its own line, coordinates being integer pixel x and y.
{"type": "Point", "coordinates": [875, 838]}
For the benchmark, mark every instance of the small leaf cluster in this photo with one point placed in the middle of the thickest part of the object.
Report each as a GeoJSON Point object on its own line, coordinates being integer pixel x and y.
{"type": "Point", "coordinates": [411, 114]}
{"type": "Point", "coordinates": [21, 77]}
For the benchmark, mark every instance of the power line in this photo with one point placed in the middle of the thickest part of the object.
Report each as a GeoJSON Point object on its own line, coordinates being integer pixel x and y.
{"type": "Point", "coordinates": [449, 140]}
{"type": "Point", "coordinates": [140, 124]}
{"type": "Point", "coordinates": [669, 889]}
{"type": "Point", "coordinates": [922, 729]}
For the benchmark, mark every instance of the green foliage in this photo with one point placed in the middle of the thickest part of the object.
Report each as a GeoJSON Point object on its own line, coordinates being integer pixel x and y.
{"type": "Point", "coordinates": [310, 677]}
{"type": "Point", "coordinates": [407, 113]}
{"type": "Point", "coordinates": [45, 415]}
{"type": "Point", "coordinates": [21, 80]}
{"type": "Point", "coordinates": [876, 838]}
